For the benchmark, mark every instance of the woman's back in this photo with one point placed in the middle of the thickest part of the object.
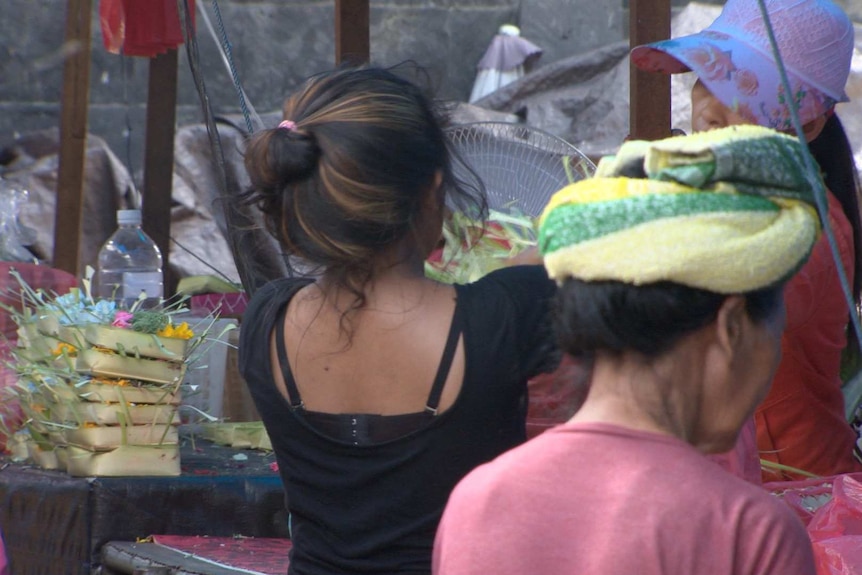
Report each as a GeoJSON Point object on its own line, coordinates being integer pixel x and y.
{"type": "Point", "coordinates": [386, 363]}
{"type": "Point", "coordinates": [634, 502]}
{"type": "Point", "coordinates": [671, 265]}
{"type": "Point", "coordinates": [373, 506]}
{"type": "Point", "coordinates": [379, 388]}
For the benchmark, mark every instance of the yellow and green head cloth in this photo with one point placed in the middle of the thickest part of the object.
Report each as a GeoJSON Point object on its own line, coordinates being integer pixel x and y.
{"type": "Point", "coordinates": [729, 211]}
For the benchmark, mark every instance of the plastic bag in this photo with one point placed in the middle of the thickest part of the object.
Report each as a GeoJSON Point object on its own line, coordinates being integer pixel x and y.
{"type": "Point", "coordinates": [839, 555]}
{"type": "Point", "coordinates": [836, 528]}
{"type": "Point", "coordinates": [805, 496]}
{"type": "Point", "coordinates": [842, 515]}
{"type": "Point", "coordinates": [14, 236]}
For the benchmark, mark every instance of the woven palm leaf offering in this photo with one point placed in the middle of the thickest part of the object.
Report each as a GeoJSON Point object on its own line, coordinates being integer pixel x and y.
{"type": "Point", "coordinates": [99, 386]}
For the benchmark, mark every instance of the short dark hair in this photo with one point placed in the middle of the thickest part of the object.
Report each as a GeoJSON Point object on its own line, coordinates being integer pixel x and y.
{"type": "Point", "coordinates": [615, 317]}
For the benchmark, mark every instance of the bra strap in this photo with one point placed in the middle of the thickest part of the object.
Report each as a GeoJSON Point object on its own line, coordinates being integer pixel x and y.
{"type": "Point", "coordinates": [445, 362]}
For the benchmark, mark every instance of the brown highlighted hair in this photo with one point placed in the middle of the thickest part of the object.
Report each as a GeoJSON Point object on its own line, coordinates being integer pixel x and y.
{"type": "Point", "coordinates": [346, 180]}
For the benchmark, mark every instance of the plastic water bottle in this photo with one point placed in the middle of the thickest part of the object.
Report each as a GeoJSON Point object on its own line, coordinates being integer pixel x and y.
{"type": "Point", "coordinates": [130, 263]}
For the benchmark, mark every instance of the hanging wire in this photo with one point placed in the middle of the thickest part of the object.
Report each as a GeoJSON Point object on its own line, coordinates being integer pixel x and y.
{"type": "Point", "coordinates": [254, 263]}
{"type": "Point", "coordinates": [853, 388]}
{"type": "Point", "coordinates": [127, 132]}
{"type": "Point", "coordinates": [132, 192]}
{"type": "Point", "coordinates": [228, 54]}
{"type": "Point", "coordinates": [209, 118]}
{"type": "Point", "coordinates": [252, 118]}
{"type": "Point", "coordinates": [223, 275]}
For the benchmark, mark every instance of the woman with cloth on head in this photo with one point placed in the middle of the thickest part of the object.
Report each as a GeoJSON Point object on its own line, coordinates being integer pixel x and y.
{"type": "Point", "coordinates": [802, 422]}
{"type": "Point", "coordinates": [671, 264]}
{"type": "Point", "coordinates": [379, 388]}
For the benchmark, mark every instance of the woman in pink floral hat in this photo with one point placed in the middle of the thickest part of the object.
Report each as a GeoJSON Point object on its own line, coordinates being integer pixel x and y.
{"type": "Point", "coordinates": [802, 422]}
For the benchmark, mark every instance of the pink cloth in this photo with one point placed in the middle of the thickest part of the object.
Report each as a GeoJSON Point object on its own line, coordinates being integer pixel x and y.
{"type": "Point", "coordinates": [37, 277]}
{"type": "Point", "coordinates": [602, 499]}
{"type": "Point", "coordinates": [51, 280]}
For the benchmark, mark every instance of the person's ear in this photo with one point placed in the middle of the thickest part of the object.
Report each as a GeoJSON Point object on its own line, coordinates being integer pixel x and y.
{"type": "Point", "coordinates": [433, 202]}
{"type": "Point", "coordinates": [433, 196]}
{"type": "Point", "coordinates": [730, 323]}
{"type": "Point", "coordinates": [438, 180]}
{"type": "Point", "coordinates": [813, 128]}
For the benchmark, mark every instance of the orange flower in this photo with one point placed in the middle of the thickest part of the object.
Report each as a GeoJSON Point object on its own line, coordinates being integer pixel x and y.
{"type": "Point", "coordinates": [109, 381]}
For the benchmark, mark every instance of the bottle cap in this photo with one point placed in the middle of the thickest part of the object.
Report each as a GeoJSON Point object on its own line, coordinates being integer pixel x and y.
{"type": "Point", "coordinates": [129, 217]}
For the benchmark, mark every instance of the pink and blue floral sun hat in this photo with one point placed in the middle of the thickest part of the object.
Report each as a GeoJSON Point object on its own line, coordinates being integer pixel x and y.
{"type": "Point", "coordinates": [734, 59]}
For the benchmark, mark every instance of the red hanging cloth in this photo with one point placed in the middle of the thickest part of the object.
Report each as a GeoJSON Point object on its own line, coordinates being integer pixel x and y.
{"type": "Point", "coordinates": [144, 28]}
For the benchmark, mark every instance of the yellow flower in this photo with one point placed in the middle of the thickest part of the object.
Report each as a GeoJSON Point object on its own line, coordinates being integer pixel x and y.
{"type": "Point", "coordinates": [182, 331]}
{"type": "Point", "coordinates": [65, 349]}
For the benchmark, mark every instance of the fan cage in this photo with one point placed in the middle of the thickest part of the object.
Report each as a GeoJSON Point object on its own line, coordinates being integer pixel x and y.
{"type": "Point", "coordinates": [521, 167]}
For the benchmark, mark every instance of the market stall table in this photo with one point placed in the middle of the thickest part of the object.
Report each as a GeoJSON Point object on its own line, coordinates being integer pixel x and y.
{"type": "Point", "coordinates": [54, 523]}
{"type": "Point", "coordinates": [180, 555]}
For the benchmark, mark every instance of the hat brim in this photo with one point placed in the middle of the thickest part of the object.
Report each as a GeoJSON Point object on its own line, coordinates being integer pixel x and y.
{"type": "Point", "coordinates": [742, 78]}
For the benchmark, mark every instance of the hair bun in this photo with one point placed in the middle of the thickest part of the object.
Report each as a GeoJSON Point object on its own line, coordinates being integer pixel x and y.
{"type": "Point", "coordinates": [293, 154]}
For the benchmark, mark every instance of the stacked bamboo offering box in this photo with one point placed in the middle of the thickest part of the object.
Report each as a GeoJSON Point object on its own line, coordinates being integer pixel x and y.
{"type": "Point", "coordinates": [99, 386]}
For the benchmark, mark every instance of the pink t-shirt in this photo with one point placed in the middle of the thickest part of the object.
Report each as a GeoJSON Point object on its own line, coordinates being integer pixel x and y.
{"type": "Point", "coordinates": [599, 499]}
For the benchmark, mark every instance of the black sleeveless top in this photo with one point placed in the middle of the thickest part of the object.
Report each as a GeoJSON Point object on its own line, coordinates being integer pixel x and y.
{"type": "Point", "coordinates": [370, 502]}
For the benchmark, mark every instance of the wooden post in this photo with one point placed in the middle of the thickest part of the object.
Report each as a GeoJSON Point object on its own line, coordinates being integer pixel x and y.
{"type": "Point", "coordinates": [649, 112]}
{"type": "Point", "coordinates": [352, 42]}
{"type": "Point", "coordinates": [159, 157]}
{"type": "Point", "coordinates": [73, 139]}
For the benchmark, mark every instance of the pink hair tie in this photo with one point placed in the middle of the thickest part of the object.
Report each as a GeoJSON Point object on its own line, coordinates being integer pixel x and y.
{"type": "Point", "coordinates": [288, 125]}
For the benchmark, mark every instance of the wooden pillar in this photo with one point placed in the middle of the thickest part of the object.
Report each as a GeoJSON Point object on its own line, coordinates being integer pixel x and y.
{"type": "Point", "coordinates": [159, 157]}
{"type": "Point", "coordinates": [73, 139]}
{"type": "Point", "coordinates": [352, 42]}
{"type": "Point", "coordinates": [649, 113]}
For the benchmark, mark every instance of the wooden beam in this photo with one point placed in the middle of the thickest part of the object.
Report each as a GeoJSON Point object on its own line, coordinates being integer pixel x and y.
{"type": "Point", "coordinates": [649, 112]}
{"type": "Point", "coordinates": [73, 139]}
{"type": "Point", "coordinates": [352, 38]}
{"type": "Point", "coordinates": [159, 157]}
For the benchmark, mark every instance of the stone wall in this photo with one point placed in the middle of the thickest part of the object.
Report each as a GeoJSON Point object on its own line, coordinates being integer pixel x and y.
{"type": "Point", "coordinates": [276, 43]}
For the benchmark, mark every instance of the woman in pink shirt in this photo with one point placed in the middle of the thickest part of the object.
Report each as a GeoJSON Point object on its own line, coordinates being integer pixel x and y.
{"type": "Point", "coordinates": [671, 264]}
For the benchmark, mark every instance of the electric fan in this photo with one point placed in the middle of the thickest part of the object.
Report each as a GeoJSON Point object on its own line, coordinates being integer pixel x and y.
{"type": "Point", "coordinates": [520, 166]}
